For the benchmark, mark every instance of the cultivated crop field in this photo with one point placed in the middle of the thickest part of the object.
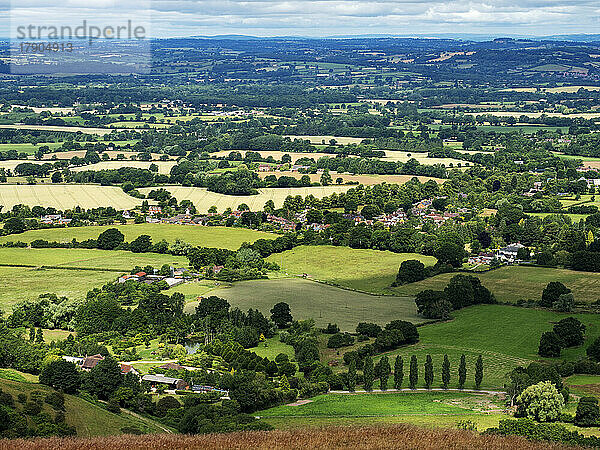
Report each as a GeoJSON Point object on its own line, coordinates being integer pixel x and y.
{"type": "Point", "coordinates": [203, 199]}
{"type": "Point", "coordinates": [66, 196]}
{"type": "Point", "coordinates": [362, 269]}
{"type": "Point", "coordinates": [323, 303]}
{"type": "Point", "coordinates": [512, 283]}
{"type": "Point", "coordinates": [220, 237]}
{"type": "Point", "coordinates": [319, 139]}
{"type": "Point", "coordinates": [367, 180]}
{"type": "Point", "coordinates": [164, 167]}
{"type": "Point", "coordinates": [422, 158]}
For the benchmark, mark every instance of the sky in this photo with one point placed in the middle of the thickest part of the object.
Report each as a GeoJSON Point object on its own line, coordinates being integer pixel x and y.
{"type": "Point", "coordinates": [181, 18]}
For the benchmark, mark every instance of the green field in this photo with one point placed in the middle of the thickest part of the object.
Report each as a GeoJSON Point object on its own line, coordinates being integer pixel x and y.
{"type": "Point", "coordinates": [28, 148]}
{"type": "Point", "coordinates": [512, 283]}
{"type": "Point", "coordinates": [87, 418]}
{"type": "Point", "coordinates": [221, 237]}
{"type": "Point", "coordinates": [66, 196]}
{"type": "Point", "coordinates": [27, 284]}
{"type": "Point", "coordinates": [365, 270]}
{"type": "Point", "coordinates": [204, 199]}
{"type": "Point", "coordinates": [323, 303]}
{"type": "Point", "coordinates": [506, 336]}
{"type": "Point", "coordinates": [117, 260]}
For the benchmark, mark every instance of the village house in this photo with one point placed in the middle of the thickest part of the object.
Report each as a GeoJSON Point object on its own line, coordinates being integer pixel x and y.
{"type": "Point", "coordinates": [264, 168]}
{"type": "Point", "coordinates": [508, 254]}
{"type": "Point", "coordinates": [54, 219]}
{"type": "Point", "coordinates": [154, 210]}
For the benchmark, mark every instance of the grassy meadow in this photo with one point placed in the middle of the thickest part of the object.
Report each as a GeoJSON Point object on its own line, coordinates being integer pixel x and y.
{"type": "Point", "coordinates": [512, 283]}
{"type": "Point", "coordinates": [221, 237]}
{"type": "Point", "coordinates": [320, 302]}
{"type": "Point", "coordinates": [506, 336]}
{"type": "Point", "coordinates": [362, 269]}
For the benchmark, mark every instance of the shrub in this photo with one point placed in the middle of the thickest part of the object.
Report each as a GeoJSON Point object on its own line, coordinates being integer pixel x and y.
{"type": "Point", "coordinates": [588, 412]}
{"type": "Point", "coordinates": [340, 340]}
{"type": "Point", "coordinates": [550, 345]}
{"type": "Point", "coordinates": [570, 332]}
{"type": "Point", "coordinates": [541, 402]}
{"type": "Point", "coordinates": [368, 329]}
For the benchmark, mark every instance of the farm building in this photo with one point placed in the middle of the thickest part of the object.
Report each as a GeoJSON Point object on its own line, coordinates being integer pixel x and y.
{"type": "Point", "coordinates": [173, 383]}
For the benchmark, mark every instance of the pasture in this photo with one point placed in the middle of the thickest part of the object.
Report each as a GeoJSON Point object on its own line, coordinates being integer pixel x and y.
{"type": "Point", "coordinates": [28, 148]}
{"type": "Point", "coordinates": [506, 336]}
{"type": "Point", "coordinates": [204, 199]}
{"type": "Point", "coordinates": [512, 283]}
{"type": "Point", "coordinates": [86, 130]}
{"type": "Point", "coordinates": [66, 196]}
{"type": "Point", "coordinates": [320, 302]}
{"type": "Point", "coordinates": [221, 237]}
{"type": "Point", "coordinates": [361, 269]}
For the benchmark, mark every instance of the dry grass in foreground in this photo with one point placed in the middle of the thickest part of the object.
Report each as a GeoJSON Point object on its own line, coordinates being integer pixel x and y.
{"type": "Point", "coordinates": [371, 437]}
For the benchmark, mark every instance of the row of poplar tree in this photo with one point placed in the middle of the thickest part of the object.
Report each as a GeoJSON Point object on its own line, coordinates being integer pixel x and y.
{"type": "Point", "coordinates": [382, 371]}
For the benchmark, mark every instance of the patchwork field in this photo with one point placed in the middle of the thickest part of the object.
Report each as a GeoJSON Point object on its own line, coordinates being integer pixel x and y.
{"type": "Point", "coordinates": [86, 130]}
{"type": "Point", "coordinates": [506, 336]}
{"type": "Point", "coordinates": [28, 148]}
{"type": "Point", "coordinates": [320, 302]}
{"type": "Point", "coordinates": [221, 237]}
{"type": "Point", "coordinates": [66, 196]}
{"type": "Point", "coordinates": [277, 154]}
{"type": "Point", "coordinates": [512, 283]}
{"type": "Point", "coordinates": [365, 270]}
{"type": "Point", "coordinates": [203, 199]}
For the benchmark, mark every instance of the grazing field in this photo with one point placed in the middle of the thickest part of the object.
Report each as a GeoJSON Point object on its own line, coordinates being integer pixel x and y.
{"type": "Point", "coordinates": [87, 418]}
{"type": "Point", "coordinates": [379, 405]}
{"type": "Point", "coordinates": [512, 283]}
{"type": "Point", "coordinates": [320, 302]}
{"type": "Point", "coordinates": [203, 199]}
{"type": "Point", "coordinates": [221, 237]}
{"type": "Point", "coordinates": [506, 336]}
{"type": "Point", "coordinates": [115, 260]}
{"type": "Point", "coordinates": [164, 167]}
{"type": "Point", "coordinates": [86, 130]}
{"type": "Point", "coordinates": [28, 148]}
{"type": "Point", "coordinates": [66, 196]}
{"type": "Point", "coordinates": [20, 283]}
{"type": "Point", "coordinates": [365, 270]}
{"type": "Point", "coordinates": [367, 180]}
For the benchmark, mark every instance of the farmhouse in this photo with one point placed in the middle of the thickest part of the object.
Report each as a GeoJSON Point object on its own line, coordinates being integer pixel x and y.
{"type": "Point", "coordinates": [173, 383]}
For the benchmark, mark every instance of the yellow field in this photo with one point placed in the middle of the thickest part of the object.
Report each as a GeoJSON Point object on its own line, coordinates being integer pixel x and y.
{"type": "Point", "coordinates": [204, 199]}
{"type": "Point", "coordinates": [319, 139]}
{"type": "Point", "coordinates": [367, 180]}
{"type": "Point", "coordinates": [164, 167]}
{"type": "Point", "coordinates": [66, 196]}
{"type": "Point", "coordinates": [518, 114]}
{"type": "Point", "coordinates": [555, 90]}
{"type": "Point", "coordinates": [112, 154]}
{"type": "Point", "coordinates": [12, 163]}
{"type": "Point", "coordinates": [277, 155]}
{"type": "Point", "coordinates": [422, 158]}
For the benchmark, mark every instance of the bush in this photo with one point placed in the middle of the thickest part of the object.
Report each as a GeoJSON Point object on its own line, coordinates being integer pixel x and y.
{"type": "Point", "coordinates": [368, 329]}
{"type": "Point", "coordinates": [550, 345]}
{"type": "Point", "coordinates": [588, 412]}
{"type": "Point", "coordinates": [340, 340]}
{"type": "Point", "coordinates": [113, 406]}
{"type": "Point", "coordinates": [411, 271]}
{"type": "Point", "coordinates": [593, 351]}
{"type": "Point", "coordinates": [56, 400]}
{"type": "Point", "coordinates": [165, 404]}
{"type": "Point", "coordinates": [570, 332]}
{"type": "Point", "coordinates": [331, 328]}
{"type": "Point", "coordinates": [541, 402]}
{"type": "Point", "coordinates": [542, 432]}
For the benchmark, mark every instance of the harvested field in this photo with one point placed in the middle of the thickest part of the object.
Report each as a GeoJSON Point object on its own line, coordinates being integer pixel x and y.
{"type": "Point", "coordinates": [367, 180]}
{"type": "Point", "coordinates": [368, 437]}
